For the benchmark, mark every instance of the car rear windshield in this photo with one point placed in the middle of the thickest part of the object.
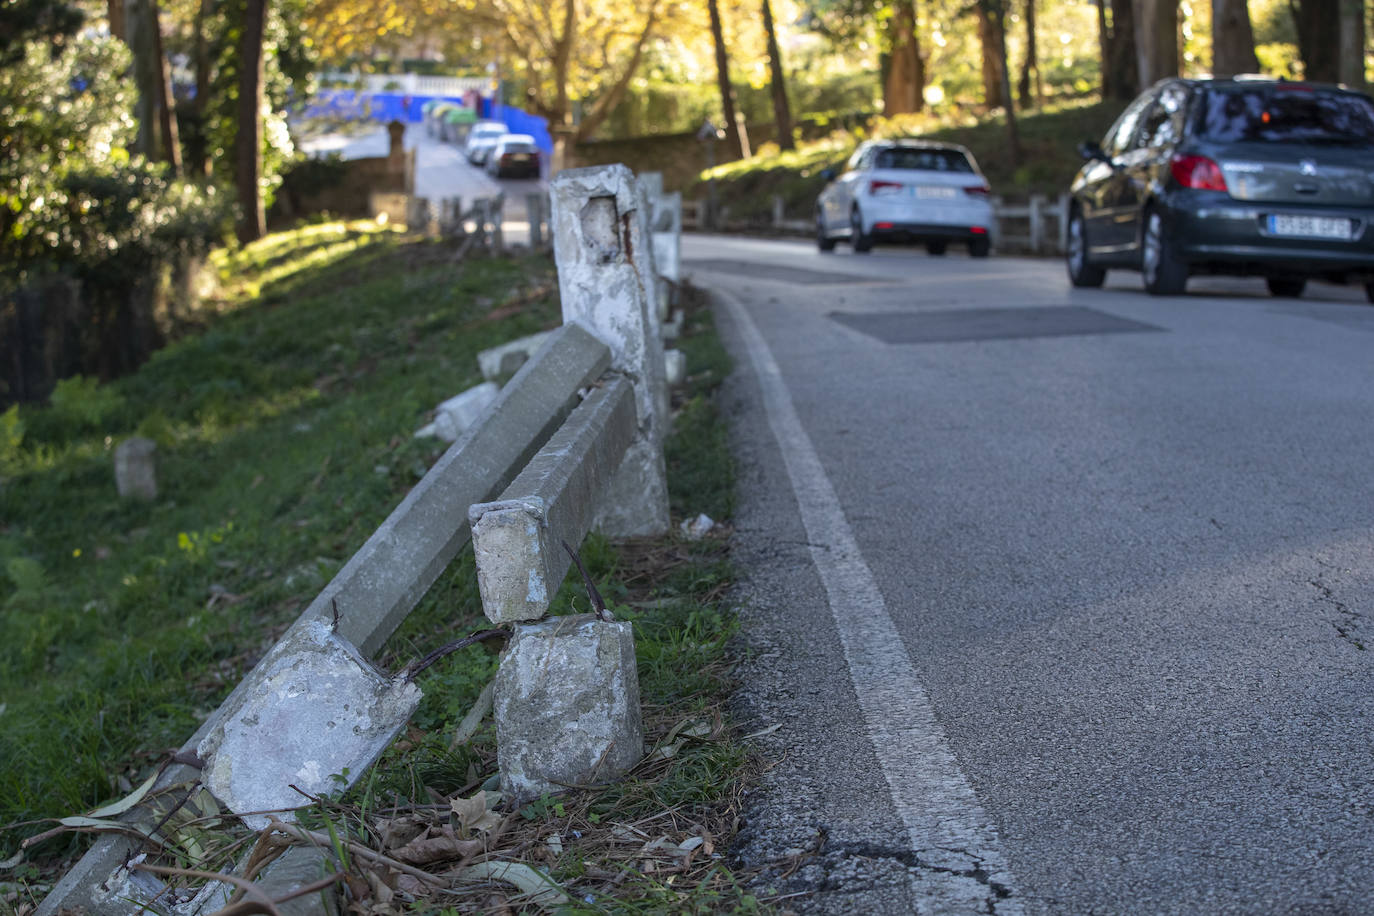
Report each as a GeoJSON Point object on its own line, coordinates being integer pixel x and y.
{"type": "Point", "coordinates": [520, 148]}
{"type": "Point", "coordinates": [931, 160]}
{"type": "Point", "coordinates": [1277, 114]}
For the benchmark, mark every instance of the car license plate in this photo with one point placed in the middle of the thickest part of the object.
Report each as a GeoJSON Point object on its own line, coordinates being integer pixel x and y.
{"type": "Point", "coordinates": [521, 157]}
{"type": "Point", "coordinates": [1313, 227]}
{"type": "Point", "coordinates": [934, 192]}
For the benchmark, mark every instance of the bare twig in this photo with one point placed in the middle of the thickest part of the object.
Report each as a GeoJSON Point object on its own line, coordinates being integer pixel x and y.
{"type": "Point", "coordinates": [323, 839]}
{"type": "Point", "coordinates": [593, 595]}
{"type": "Point", "coordinates": [415, 668]}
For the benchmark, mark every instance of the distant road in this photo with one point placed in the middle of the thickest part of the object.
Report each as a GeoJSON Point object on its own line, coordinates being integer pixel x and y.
{"type": "Point", "coordinates": [441, 171]}
{"type": "Point", "coordinates": [1060, 601]}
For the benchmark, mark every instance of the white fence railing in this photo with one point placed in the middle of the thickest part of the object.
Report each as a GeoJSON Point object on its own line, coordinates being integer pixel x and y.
{"type": "Point", "coordinates": [408, 83]}
{"type": "Point", "coordinates": [1038, 226]}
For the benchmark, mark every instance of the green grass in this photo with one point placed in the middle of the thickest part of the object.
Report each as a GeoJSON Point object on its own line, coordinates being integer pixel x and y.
{"type": "Point", "coordinates": [284, 433]}
{"type": "Point", "coordinates": [1049, 140]}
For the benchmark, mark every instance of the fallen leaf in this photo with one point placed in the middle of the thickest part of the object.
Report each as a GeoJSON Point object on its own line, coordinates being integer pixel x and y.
{"type": "Point", "coordinates": [474, 813]}
{"type": "Point", "coordinates": [539, 886]}
{"type": "Point", "coordinates": [438, 848]}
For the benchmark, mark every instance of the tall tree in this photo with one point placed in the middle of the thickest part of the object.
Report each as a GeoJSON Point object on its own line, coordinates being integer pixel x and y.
{"type": "Point", "coordinates": [904, 91]}
{"type": "Point", "coordinates": [994, 64]}
{"type": "Point", "coordinates": [997, 12]}
{"type": "Point", "coordinates": [782, 109]}
{"type": "Point", "coordinates": [735, 133]}
{"type": "Point", "coordinates": [1233, 40]}
{"type": "Point", "coordinates": [248, 141]}
{"type": "Point", "coordinates": [1029, 88]}
{"type": "Point", "coordinates": [1318, 23]}
{"type": "Point", "coordinates": [1156, 36]}
{"type": "Point", "coordinates": [1352, 37]}
{"type": "Point", "coordinates": [1116, 37]}
{"type": "Point", "coordinates": [141, 29]}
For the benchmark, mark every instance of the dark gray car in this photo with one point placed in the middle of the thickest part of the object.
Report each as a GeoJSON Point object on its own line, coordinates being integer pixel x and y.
{"type": "Point", "coordinates": [1238, 176]}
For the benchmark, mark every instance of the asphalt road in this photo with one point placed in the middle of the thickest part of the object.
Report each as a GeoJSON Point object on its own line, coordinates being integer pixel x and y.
{"type": "Point", "coordinates": [1059, 601]}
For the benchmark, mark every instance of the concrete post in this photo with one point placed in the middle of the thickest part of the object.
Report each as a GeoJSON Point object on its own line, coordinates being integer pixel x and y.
{"type": "Point", "coordinates": [601, 247]}
{"type": "Point", "coordinates": [778, 211]}
{"type": "Point", "coordinates": [518, 540]}
{"type": "Point", "coordinates": [135, 468]}
{"type": "Point", "coordinates": [1037, 223]}
{"type": "Point", "coordinates": [534, 215]}
{"type": "Point", "coordinates": [496, 214]}
{"type": "Point", "coordinates": [566, 705]}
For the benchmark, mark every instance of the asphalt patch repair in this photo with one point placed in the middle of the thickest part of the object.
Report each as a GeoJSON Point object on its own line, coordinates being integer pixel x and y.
{"type": "Point", "coordinates": [959, 325]}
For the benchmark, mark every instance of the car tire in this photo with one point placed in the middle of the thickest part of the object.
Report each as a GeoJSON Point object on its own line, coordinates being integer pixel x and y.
{"type": "Point", "coordinates": [823, 240]}
{"type": "Point", "coordinates": [979, 247]}
{"type": "Point", "coordinates": [862, 243]}
{"type": "Point", "coordinates": [1082, 273]}
{"type": "Point", "coordinates": [1369, 292]}
{"type": "Point", "coordinates": [937, 248]}
{"type": "Point", "coordinates": [1164, 273]}
{"type": "Point", "coordinates": [1286, 287]}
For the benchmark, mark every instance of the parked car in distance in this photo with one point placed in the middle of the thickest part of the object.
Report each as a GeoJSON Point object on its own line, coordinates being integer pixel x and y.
{"type": "Point", "coordinates": [482, 136]}
{"type": "Point", "coordinates": [514, 156]}
{"type": "Point", "coordinates": [906, 191]}
{"type": "Point", "coordinates": [1243, 176]}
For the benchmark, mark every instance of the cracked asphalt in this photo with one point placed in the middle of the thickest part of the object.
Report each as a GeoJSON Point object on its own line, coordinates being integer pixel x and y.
{"type": "Point", "coordinates": [1127, 559]}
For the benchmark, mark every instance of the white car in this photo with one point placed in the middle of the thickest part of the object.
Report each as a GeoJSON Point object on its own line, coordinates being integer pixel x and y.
{"type": "Point", "coordinates": [514, 155]}
{"type": "Point", "coordinates": [481, 138]}
{"type": "Point", "coordinates": [909, 191]}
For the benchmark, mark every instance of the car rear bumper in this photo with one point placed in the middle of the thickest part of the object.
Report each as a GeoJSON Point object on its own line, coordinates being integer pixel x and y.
{"type": "Point", "coordinates": [926, 232]}
{"type": "Point", "coordinates": [1230, 235]}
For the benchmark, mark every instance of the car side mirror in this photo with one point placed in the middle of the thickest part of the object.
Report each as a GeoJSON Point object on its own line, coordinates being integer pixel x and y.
{"type": "Point", "coordinates": [827, 174]}
{"type": "Point", "coordinates": [1092, 150]}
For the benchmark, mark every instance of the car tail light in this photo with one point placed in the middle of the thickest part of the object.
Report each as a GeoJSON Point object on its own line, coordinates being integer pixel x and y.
{"type": "Point", "coordinates": [978, 230]}
{"type": "Point", "coordinates": [884, 187]}
{"type": "Point", "coordinates": [977, 190]}
{"type": "Point", "coordinates": [1197, 172]}
{"type": "Point", "coordinates": [882, 225]}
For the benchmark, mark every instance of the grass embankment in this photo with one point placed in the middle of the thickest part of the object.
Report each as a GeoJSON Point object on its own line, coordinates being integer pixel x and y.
{"type": "Point", "coordinates": [1049, 141]}
{"type": "Point", "coordinates": [284, 436]}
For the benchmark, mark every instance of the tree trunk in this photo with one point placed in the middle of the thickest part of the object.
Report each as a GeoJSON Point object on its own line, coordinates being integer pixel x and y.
{"type": "Point", "coordinates": [1352, 32]}
{"type": "Point", "coordinates": [1116, 35]}
{"type": "Point", "coordinates": [1233, 41]}
{"type": "Point", "coordinates": [197, 154]}
{"type": "Point", "coordinates": [1318, 25]}
{"type": "Point", "coordinates": [171, 143]}
{"type": "Point", "coordinates": [115, 13]}
{"type": "Point", "coordinates": [782, 110]}
{"type": "Point", "coordinates": [992, 60]}
{"type": "Point", "coordinates": [734, 125]}
{"type": "Point", "coordinates": [1029, 88]}
{"type": "Point", "coordinates": [997, 14]}
{"type": "Point", "coordinates": [139, 30]}
{"type": "Point", "coordinates": [904, 91]}
{"type": "Point", "coordinates": [248, 143]}
{"type": "Point", "coordinates": [1156, 37]}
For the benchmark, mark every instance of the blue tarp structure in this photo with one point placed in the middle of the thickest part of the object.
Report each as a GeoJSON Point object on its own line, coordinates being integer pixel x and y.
{"type": "Point", "coordinates": [395, 106]}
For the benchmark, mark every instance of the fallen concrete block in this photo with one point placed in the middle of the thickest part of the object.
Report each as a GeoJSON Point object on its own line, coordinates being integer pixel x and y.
{"type": "Point", "coordinates": [455, 416]}
{"type": "Point", "coordinates": [135, 463]}
{"type": "Point", "coordinates": [315, 715]}
{"type": "Point", "coordinates": [567, 706]}
{"type": "Point", "coordinates": [518, 540]}
{"type": "Point", "coordinates": [672, 329]}
{"type": "Point", "coordinates": [694, 529]}
{"type": "Point", "coordinates": [507, 358]}
{"type": "Point", "coordinates": [675, 366]}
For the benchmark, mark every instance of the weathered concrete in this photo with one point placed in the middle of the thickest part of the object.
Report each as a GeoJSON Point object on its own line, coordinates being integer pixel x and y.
{"type": "Point", "coordinates": [567, 706]}
{"type": "Point", "coordinates": [672, 329]}
{"type": "Point", "coordinates": [518, 540]}
{"type": "Point", "coordinates": [458, 414]}
{"type": "Point", "coordinates": [667, 230]}
{"type": "Point", "coordinates": [505, 359]}
{"type": "Point", "coordinates": [601, 245]}
{"type": "Point", "coordinates": [675, 366]}
{"type": "Point", "coordinates": [135, 465]}
{"type": "Point", "coordinates": [314, 714]}
{"type": "Point", "coordinates": [377, 588]}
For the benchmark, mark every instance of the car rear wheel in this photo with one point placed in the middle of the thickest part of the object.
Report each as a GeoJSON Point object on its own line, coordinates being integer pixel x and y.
{"type": "Point", "coordinates": [1286, 287]}
{"type": "Point", "coordinates": [823, 240]}
{"type": "Point", "coordinates": [861, 242]}
{"type": "Point", "coordinates": [1164, 273]}
{"type": "Point", "coordinates": [979, 248]}
{"type": "Point", "coordinates": [1369, 291]}
{"type": "Point", "coordinates": [1081, 273]}
{"type": "Point", "coordinates": [937, 247]}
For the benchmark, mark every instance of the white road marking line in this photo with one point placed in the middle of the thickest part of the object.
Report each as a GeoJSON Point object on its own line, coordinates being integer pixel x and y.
{"type": "Point", "coordinates": [948, 829]}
